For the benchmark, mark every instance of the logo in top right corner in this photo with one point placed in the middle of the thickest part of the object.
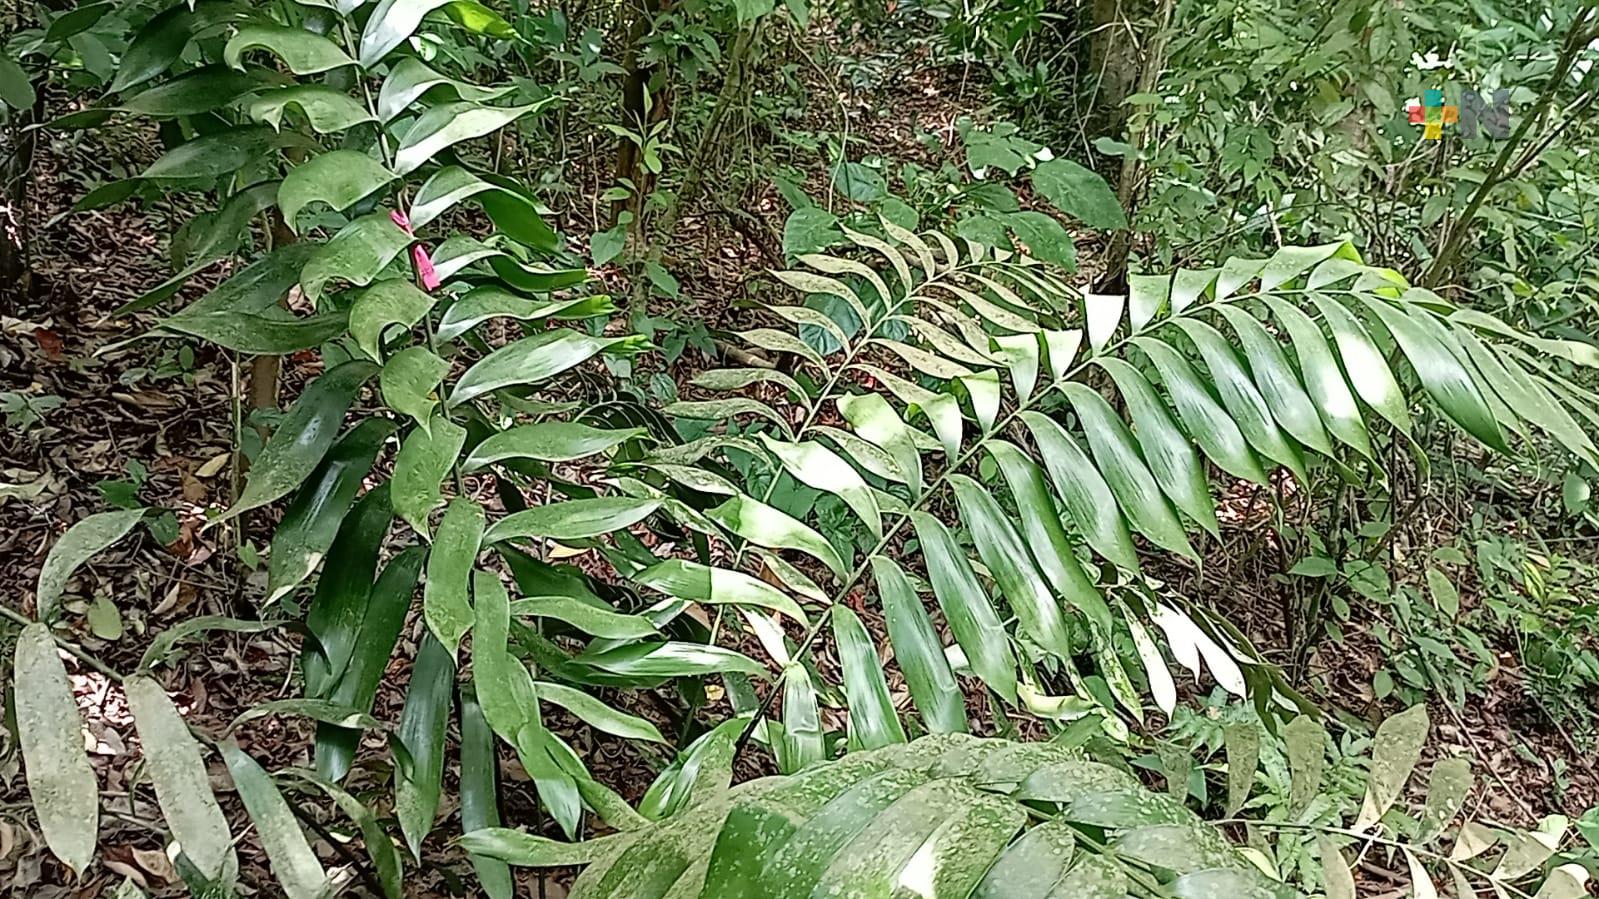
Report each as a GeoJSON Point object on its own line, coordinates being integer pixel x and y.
{"type": "Point", "coordinates": [1473, 114]}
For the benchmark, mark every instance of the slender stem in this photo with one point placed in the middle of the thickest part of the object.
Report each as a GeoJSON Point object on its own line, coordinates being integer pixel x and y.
{"type": "Point", "coordinates": [73, 649]}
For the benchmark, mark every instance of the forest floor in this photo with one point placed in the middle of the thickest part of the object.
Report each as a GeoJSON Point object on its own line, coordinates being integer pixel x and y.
{"type": "Point", "coordinates": [149, 415]}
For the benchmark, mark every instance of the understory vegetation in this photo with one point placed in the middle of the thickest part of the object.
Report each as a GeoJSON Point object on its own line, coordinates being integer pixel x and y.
{"type": "Point", "coordinates": [1135, 448]}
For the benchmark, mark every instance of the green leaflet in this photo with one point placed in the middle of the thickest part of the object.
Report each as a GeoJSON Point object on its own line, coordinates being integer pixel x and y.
{"type": "Point", "coordinates": [877, 423]}
{"type": "Point", "coordinates": [423, 725]}
{"type": "Point", "coordinates": [193, 93]}
{"type": "Point", "coordinates": [1010, 563]}
{"type": "Point", "coordinates": [481, 304]}
{"type": "Point", "coordinates": [182, 787]}
{"type": "Point", "coordinates": [78, 545]}
{"type": "Point", "coordinates": [918, 651]}
{"type": "Point", "coordinates": [816, 466]}
{"type": "Point", "coordinates": [326, 110]}
{"type": "Point", "coordinates": [448, 124]}
{"type": "Point", "coordinates": [407, 81]}
{"type": "Point", "coordinates": [1324, 381]}
{"type": "Point", "coordinates": [1277, 381]}
{"type": "Point", "coordinates": [591, 619]}
{"type": "Point", "coordinates": [339, 179]}
{"type": "Point", "coordinates": [1240, 397]}
{"type": "Point", "coordinates": [480, 807]}
{"type": "Point", "coordinates": [391, 23]}
{"type": "Point", "coordinates": [293, 861]}
{"type": "Point", "coordinates": [311, 522]}
{"type": "Point", "coordinates": [550, 441]}
{"type": "Point", "coordinates": [1202, 417]}
{"type": "Point", "coordinates": [273, 333]}
{"type": "Point", "coordinates": [391, 302]}
{"type": "Point", "coordinates": [682, 579]}
{"type": "Point", "coordinates": [576, 519]}
{"type": "Point", "coordinates": [339, 604]}
{"type": "Point", "coordinates": [421, 466]}
{"type": "Point", "coordinates": [408, 381]}
{"type": "Point", "coordinates": [1394, 753]}
{"type": "Point", "coordinates": [379, 847]}
{"type": "Point", "coordinates": [658, 661]}
{"type": "Point", "coordinates": [459, 251]}
{"type": "Point", "coordinates": [972, 620]}
{"type": "Point", "coordinates": [445, 604]}
{"type": "Point", "coordinates": [1242, 741]}
{"type": "Point", "coordinates": [1047, 540]}
{"type": "Point", "coordinates": [701, 771]}
{"type": "Point", "coordinates": [803, 741]}
{"type": "Point", "coordinates": [302, 51]}
{"type": "Point", "coordinates": [1305, 741]}
{"type": "Point", "coordinates": [61, 783]}
{"type": "Point", "coordinates": [1168, 451]}
{"type": "Point", "coordinates": [531, 360]}
{"type": "Point", "coordinates": [255, 289]}
{"type": "Point", "coordinates": [303, 437]}
{"type": "Point", "coordinates": [1088, 498]}
{"type": "Point", "coordinates": [764, 525]}
{"type": "Point", "coordinates": [598, 714]}
{"type": "Point", "coordinates": [380, 629]}
{"type": "Point", "coordinates": [1135, 489]}
{"type": "Point", "coordinates": [1030, 867]}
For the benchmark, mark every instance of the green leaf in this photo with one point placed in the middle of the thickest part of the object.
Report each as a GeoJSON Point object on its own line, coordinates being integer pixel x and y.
{"type": "Point", "coordinates": [78, 545]}
{"type": "Point", "coordinates": [192, 93]}
{"type": "Point", "coordinates": [155, 48]}
{"type": "Point", "coordinates": [575, 519]}
{"type": "Point", "coordinates": [409, 380]}
{"type": "Point", "coordinates": [480, 806]}
{"type": "Point", "coordinates": [809, 229]}
{"type": "Point", "coordinates": [1394, 753]}
{"type": "Point", "coordinates": [421, 466]}
{"type": "Point", "coordinates": [1169, 452]}
{"type": "Point", "coordinates": [407, 81]}
{"type": "Point", "coordinates": [299, 872]}
{"type": "Point", "coordinates": [1447, 789]}
{"type": "Point", "coordinates": [1010, 564]}
{"type": "Point", "coordinates": [162, 645]}
{"type": "Point", "coordinates": [682, 579]}
{"type": "Point", "coordinates": [16, 91]}
{"type": "Point", "coordinates": [530, 361]}
{"type": "Point", "coordinates": [1305, 740]}
{"type": "Point", "coordinates": [445, 604]}
{"type": "Point", "coordinates": [312, 520]}
{"type": "Point", "coordinates": [551, 441]}
{"type": "Point", "coordinates": [699, 772]}
{"type": "Point", "coordinates": [1135, 489]}
{"type": "Point", "coordinates": [1444, 594]}
{"type": "Point", "coordinates": [379, 847]}
{"type": "Point", "coordinates": [211, 156]}
{"type": "Point", "coordinates": [1030, 867]}
{"type": "Point", "coordinates": [767, 526]}
{"type": "Point", "coordinates": [302, 437]}
{"type": "Point", "coordinates": [1442, 373]}
{"type": "Point", "coordinates": [1240, 397]}
{"type": "Point", "coordinates": [182, 787]}
{"type": "Point", "coordinates": [340, 602]}
{"type": "Point", "coordinates": [446, 125]}
{"type": "Point", "coordinates": [340, 179]}
{"type": "Point", "coordinates": [390, 24]}
{"type": "Point", "coordinates": [803, 741]}
{"type": "Point", "coordinates": [919, 652]}
{"type": "Point", "coordinates": [1080, 193]}
{"type": "Point", "coordinates": [386, 303]}
{"type": "Point", "coordinates": [877, 423]}
{"type": "Point", "coordinates": [1364, 363]}
{"type": "Point", "coordinates": [598, 714]}
{"type": "Point", "coordinates": [357, 254]}
{"type": "Point", "coordinates": [814, 465]}
{"type": "Point", "coordinates": [590, 619]}
{"type": "Point", "coordinates": [1045, 238]}
{"type": "Point", "coordinates": [423, 726]}
{"type": "Point", "coordinates": [274, 334]}
{"type": "Point", "coordinates": [1336, 877]}
{"type": "Point", "coordinates": [480, 304]}
{"type": "Point", "coordinates": [304, 52]}
{"type": "Point", "coordinates": [1242, 742]}
{"type": "Point", "coordinates": [671, 659]}
{"type": "Point", "coordinates": [76, 21]}
{"type": "Point", "coordinates": [972, 619]}
{"type": "Point", "coordinates": [1329, 392]}
{"type": "Point", "coordinates": [1088, 498]}
{"type": "Point", "coordinates": [257, 288]}
{"type": "Point", "coordinates": [1202, 417]}
{"type": "Point", "coordinates": [61, 782]}
{"type": "Point", "coordinates": [1277, 381]}
{"type": "Point", "coordinates": [326, 110]}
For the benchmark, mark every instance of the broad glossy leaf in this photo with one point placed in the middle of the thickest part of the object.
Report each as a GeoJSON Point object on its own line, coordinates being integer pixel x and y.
{"type": "Point", "coordinates": [682, 579]}
{"type": "Point", "coordinates": [1030, 867]}
{"type": "Point", "coordinates": [1329, 392]}
{"type": "Point", "coordinates": [339, 604]}
{"type": "Point", "coordinates": [193, 93]}
{"type": "Point", "coordinates": [275, 333]}
{"type": "Point", "coordinates": [1202, 417]}
{"type": "Point", "coordinates": [550, 441]}
{"type": "Point", "coordinates": [340, 179]}
{"type": "Point", "coordinates": [1168, 451]}
{"type": "Point", "coordinates": [420, 467]}
{"type": "Point", "coordinates": [303, 437]}
{"type": "Point", "coordinates": [918, 651]}
{"type": "Point", "coordinates": [298, 870]}
{"type": "Point", "coordinates": [155, 48]}
{"type": "Point", "coordinates": [390, 24]}
{"type": "Point", "coordinates": [212, 156]}
{"type": "Point", "coordinates": [1117, 457]}
{"type": "Point", "coordinates": [598, 714]}
{"type": "Point", "coordinates": [700, 772]}
{"type": "Point", "coordinates": [482, 304]}
{"type": "Point", "coordinates": [446, 605]}
{"type": "Point", "coordinates": [575, 519]}
{"type": "Point", "coordinates": [78, 545]}
{"type": "Point", "coordinates": [423, 726]}
{"type": "Point", "coordinates": [1240, 397]}
{"type": "Point", "coordinates": [182, 787]}
{"type": "Point", "coordinates": [1394, 753]}
{"type": "Point", "coordinates": [1011, 566]}
{"type": "Point", "coordinates": [816, 466]}
{"type": "Point", "coordinates": [326, 110]}
{"type": "Point", "coordinates": [61, 783]}
{"type": "Point", "coordinates": [303, 52]}
{"type": "Point", "coordinates": [257, 288]}
{"type": "Point", "coordinates": [480, 807]}
{"type": "Point", "coordinates": [407, 81]}
{"type": "Point", "coordinates": [312, 520]}
{"type": "Point", "coordinates": [385, 616]}
{"type": "Point", "coordinates": [1442, 373]}
{"type": "Point", "coordinates": [1079, 192]}
{"type": "Point", "coordinates": [1088, 498]}
{"type": "Point", "coordinates": [972, 620]}
{"type": "Point", "coordinates": [591, 619]}
{"type": "Point", "coordinates": [74, 21]}
{"type": "Point", "coordinates": [1364, 364]}
{"type": "Point", "coordinates": [446, 125]}
{"type": "Point", "coordinates": [1277, 381]}
{"type": "Point", "coordinates": [767, 526]}
{"type": "Point", "coordinates": [386, 303]}
{"type": "Point", "coordinates": [530, 361]}
{"type": "Point", "coordinates": [357, 254]}
{"type": "Point", "coordinates": [409, 381]}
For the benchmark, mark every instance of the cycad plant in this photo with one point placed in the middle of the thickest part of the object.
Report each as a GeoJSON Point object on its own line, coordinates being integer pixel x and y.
{"type": "Point", "coordinates": [952, 393]}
